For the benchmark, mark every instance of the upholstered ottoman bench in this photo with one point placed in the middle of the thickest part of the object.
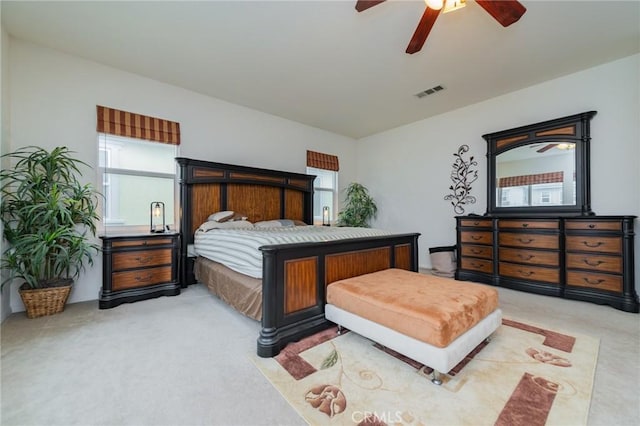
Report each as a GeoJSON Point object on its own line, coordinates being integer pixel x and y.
{"type": "Point", "coordinates": [433, 320]}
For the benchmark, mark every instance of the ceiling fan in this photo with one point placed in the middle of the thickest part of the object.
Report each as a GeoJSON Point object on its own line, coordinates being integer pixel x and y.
{"type": "Point", "coordinates": [547, 147]}
{"type": "Point", "coordinates": [506, 12]}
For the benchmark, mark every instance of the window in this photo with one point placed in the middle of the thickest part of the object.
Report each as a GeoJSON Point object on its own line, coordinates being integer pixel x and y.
{"type": "Point", "coordinates": [325, 185]}
{"type": "Point", "coordinates": [133, 174]}
{"type": "Point", "coordinates": [531, 190]}
{"type": "Point", "coordinates": [136, 163]}
{"type": "Point", "coordinates": [325, 188]}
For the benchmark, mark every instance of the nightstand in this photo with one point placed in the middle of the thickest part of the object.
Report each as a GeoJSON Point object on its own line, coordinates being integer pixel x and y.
{"type": "Point", "coordinates": [138, 267]}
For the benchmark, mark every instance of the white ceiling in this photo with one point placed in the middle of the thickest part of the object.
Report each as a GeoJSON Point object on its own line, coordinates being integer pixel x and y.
{"type": "Point", "coordinates": [322, 63]}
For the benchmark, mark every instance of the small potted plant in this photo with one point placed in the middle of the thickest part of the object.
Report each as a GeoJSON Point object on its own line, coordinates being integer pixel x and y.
{"type": "Point", "coordinates": [48, 216]}
{"type": "Point", "coordinates": [359, 207]}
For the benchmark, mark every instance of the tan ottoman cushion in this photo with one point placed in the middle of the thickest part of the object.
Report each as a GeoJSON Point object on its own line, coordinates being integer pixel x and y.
{"type": "Point", "coordinates": [431, 309]}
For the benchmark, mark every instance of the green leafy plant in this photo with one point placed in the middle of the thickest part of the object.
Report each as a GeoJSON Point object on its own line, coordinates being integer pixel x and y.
{"type": "Point", "coordinates": [47, 215]}
{"type": "Point", "coordinates": [359, 207]}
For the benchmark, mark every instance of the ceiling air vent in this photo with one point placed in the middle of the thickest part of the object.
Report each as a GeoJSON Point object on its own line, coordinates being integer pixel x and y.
{"type": "Point", "coordinates": [434, 89]}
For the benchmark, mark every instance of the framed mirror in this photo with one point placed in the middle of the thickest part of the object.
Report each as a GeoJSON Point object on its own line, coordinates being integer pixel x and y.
{"type": "Point", "coordinates": [541, 168]}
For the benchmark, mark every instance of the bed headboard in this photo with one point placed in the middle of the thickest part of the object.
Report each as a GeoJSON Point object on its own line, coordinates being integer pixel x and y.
{"type": "Point", "coordinates": [261, 194]}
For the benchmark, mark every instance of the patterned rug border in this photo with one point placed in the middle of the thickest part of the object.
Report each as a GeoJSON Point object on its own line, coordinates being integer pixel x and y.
{"type": "Point", "coordinates": [529, 404]}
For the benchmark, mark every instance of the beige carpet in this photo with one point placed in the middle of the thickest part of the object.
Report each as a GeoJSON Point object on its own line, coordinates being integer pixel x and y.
{"type": "Point", "coordinates": [526, 375]}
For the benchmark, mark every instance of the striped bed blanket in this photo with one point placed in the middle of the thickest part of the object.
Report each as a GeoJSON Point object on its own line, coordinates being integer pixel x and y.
{"type": "Point", "coordinates": [239, 249]}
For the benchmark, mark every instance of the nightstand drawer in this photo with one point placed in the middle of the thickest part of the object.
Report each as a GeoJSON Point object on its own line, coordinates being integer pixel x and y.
{"type": "Point", "coordinates": [594, 244]}
{"type": "Point", "coordinates": [140, 277]}
{"type": "Point", "coordinates": [597, 281]}
{"type": "Point", "coordinates": [523, 240]}
{"type": "Point", "coordinates": [476, 237]}
{"type": "Point", "coordinates": [141, 258]}
{"type": "Point", "coordinates": [594, 262]}
{"type": "Point", "coordinates": [142, 243]}
{"type": "Point", "coordinates": [486, 252]}
{"type": "Point", "coordinates": [525, 272]}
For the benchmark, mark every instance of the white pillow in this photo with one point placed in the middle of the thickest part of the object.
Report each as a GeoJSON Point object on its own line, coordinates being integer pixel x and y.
{"type": "Point", "coordinates": [277, 223]}
{"type": "Point", "coordinates": [221, 216]}
{"type": "Point", "coordinates": [212, 224]}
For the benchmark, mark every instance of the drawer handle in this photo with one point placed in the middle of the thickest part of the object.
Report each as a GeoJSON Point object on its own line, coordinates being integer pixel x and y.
{"type": "Point", "coordinates": [527, 257]}
{"type": "Point", "coordinates": [476, 265]}
{"type": "Point", "coordinates": [146, 278]}
{"type": "Point", "coordinates": [598, 244]}
{"type": "Point", "coordinates": [526, 273]}
{"type": "Point", "coordinates": [144, 243]}
{"type": "Point", "coordinates": [593, 282]}
{"type": "Point", "coordinates": [592, 225]}
{"type": "Point", "coordinates": [143, 260]}
{"type": "Point", "coordinates": [476, 223]}
{"type": "Point", "coordinates": [596, 263]}
{"type": "Point", "coordinates": [524, 225]}
{"type": "Point", "coordinates": [476, 237]}
{"type": "Point", "coordinates": [476, 251]}
{"type": "Point", "coordinates": [530, 240]}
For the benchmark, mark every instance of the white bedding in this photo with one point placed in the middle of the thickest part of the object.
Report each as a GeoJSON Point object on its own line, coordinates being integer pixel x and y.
{"type": "Point", "coordinates": [238, 249]}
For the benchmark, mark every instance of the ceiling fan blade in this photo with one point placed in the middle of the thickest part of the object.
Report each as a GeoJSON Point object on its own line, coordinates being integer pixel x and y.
{"type": "Point", "coordinates": [366, 4]}
{"type": "Point", "coordinates": [504, 11]}
{"type": "Point", "coordinates": [546, 147]}
{"type": "Point", "coordinates": [422, 30]}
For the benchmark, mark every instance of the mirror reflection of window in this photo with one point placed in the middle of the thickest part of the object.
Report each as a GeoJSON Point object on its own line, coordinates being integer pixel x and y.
{"type": "Point", "coordinates": [539, 174]}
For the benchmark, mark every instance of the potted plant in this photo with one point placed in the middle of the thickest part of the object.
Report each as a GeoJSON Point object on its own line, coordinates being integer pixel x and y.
{"type": "Point", "coordinates": [359, 207]}
{"type": "Point", "coordinates": [48, 216]}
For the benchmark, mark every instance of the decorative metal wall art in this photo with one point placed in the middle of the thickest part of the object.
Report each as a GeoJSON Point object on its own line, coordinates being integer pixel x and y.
{"type": "Point", "coordinates": [462, 176]}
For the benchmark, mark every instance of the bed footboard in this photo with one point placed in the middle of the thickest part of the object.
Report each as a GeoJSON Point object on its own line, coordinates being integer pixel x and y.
{"type": "Point", "coordinates": [296, 275]}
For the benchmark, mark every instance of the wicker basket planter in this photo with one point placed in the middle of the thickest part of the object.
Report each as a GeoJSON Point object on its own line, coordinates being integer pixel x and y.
{"type": "Point", "coordinates": [40, 302]}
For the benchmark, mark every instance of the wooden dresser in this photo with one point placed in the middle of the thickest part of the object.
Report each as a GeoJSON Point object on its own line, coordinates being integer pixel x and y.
{"type": "Point", "coordinates": [138, 267]}
{"type": "Point", "coordinates": [586, 258]}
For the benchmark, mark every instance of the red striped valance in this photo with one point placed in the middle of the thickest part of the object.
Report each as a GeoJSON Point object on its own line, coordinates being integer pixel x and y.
{"type": "Point", "coordinates": [122, 123]}
{"type": "Point", "coordinates": [524, 180]}
{"type": "Point", "coordinates": [322, 161]}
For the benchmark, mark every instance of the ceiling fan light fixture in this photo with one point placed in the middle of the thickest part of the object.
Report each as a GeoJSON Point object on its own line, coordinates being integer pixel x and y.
{"type": "Point", "coordinates": [566, 146]}
{"type": "Point", "coordinates": [451, 5]}
{"type": "Point", "coordinates": [434, 4]}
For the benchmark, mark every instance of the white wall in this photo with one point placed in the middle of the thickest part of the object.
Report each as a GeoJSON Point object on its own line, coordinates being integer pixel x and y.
{"type": "Point", "coordinates": [5, 308]}
{"type": "Point", "coordinates": [54, 98]}
{"type": "Point", "coordinates": [407, 169]}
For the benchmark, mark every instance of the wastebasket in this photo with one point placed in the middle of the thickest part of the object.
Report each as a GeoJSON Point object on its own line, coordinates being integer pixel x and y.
{"type": "Point", "coordinates": [443, 261]}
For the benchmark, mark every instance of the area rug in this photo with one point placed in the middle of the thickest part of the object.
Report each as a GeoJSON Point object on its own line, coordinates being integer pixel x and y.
{"type": "Point", "coordinates": [525, 375]}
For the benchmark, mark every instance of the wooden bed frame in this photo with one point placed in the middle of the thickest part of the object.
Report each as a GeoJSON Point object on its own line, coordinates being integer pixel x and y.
{"type": "Point", "coordinates": [295, 276]}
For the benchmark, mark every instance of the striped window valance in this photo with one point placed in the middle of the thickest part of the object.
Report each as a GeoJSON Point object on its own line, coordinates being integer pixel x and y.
{"type": "Point", "coordinates": [322, 161]}
{"type": "Point", "coordinates": [123, 123]}
{"type": "Point", "coordinates": [524, 180]}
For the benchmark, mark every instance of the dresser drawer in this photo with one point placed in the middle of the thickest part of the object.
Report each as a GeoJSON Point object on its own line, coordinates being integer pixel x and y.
{"type": "Point", "coordinates": [140, 278]}
{"type": "Point", "coordinates": [481, 265]}
{"type": "Point", "coordinates": [142, 242]}
{"type": "Point", "coordinates": [528, 224]}
{"type": "Point", "coordinates": [593, 225]}
{"type": "Point", "coordinates": [476, 237]}
{"type": "Point", "coordinates": [141, 258]}
{"type": "Point", "coordinates": [594, 244]}
{"type": "Point", "coordinates": [532, 273]}
{"type": "Point", "coordinates": [594, 280]}
{"type": "Point", "coordinates": [485, 252]}
{"type": "Point", "coordinates": [534, 257]}
{"type": "Point", "coordinates": [516, 239]}
{"type": "Point", "coordinates": [594, 262]}
{"type": "Point", "coordinates": [476, 223]}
